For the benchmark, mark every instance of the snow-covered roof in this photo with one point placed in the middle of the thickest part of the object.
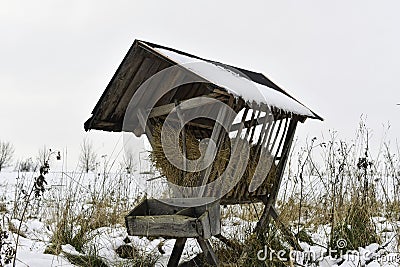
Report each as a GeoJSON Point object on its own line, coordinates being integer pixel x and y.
{"type": "Point", "coordinates": [237, 83]}
{"type": "Point", "coordinates": [144, 60]}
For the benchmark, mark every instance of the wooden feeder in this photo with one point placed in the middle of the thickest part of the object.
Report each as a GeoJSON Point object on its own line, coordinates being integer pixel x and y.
{"type": "Point", "coordinates": [170, 218]}
{"type": "Point", "coordinates": [155, 85]}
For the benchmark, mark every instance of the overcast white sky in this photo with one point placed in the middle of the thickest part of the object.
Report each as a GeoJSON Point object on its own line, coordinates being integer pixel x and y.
{"type": "Point", "coordinates": [340, 58]}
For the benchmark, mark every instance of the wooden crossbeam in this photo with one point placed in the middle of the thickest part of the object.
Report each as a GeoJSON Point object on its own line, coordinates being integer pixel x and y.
{"type": "Point", "coordinates": [184, 105]}
{"type": "Point", "coordinates": [192, 123]}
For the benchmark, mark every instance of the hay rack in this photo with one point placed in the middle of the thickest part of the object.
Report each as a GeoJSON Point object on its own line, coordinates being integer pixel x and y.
{"type": "Point", "coordinates": [238, 112]}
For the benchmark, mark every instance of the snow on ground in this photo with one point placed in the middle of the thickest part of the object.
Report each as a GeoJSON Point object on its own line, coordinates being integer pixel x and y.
{"type": "Point", "coordinates": [37, 232]}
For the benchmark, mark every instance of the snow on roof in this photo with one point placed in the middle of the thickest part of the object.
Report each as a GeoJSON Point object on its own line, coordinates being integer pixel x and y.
{"type": "Point", "coordinates": [237, 84]}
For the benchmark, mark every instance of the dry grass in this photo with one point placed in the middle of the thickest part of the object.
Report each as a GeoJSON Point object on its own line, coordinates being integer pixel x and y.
{"type": "Point", "coordinates": [350, 196]}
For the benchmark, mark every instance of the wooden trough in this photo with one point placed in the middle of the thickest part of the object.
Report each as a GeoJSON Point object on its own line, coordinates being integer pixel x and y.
{"type": "Point", "coordinates": [156, 86]}
{"type": "Point", "coordinates": [170, 218]}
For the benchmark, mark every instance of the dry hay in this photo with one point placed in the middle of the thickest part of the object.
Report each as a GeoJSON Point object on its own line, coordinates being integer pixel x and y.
{"type": "Point", "coordinates": [219, 166]}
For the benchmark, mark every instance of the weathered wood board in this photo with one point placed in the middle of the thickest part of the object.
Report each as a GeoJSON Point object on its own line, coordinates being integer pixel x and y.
{"type": "Point", "coordinates": [174, 219]}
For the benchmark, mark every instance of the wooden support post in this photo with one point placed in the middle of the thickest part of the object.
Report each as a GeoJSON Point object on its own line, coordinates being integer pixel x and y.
{"type": "Point", "coordinates": [216, 136]}
{"type": "Point", "coordinates": [177, 252]}
{"type": "Point", "coordinates": [182, 124]}
{"type": "Point", "coordinates": [209, 254]}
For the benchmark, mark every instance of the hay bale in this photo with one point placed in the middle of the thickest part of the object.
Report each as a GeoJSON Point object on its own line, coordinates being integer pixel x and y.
{"type": "Point", "coordinates": [221, 161]}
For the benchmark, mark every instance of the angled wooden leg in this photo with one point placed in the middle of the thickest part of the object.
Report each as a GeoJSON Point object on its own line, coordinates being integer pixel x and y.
{"type": "Point", "coordinates": [177, 252]}
{"type": "Point", "coordinates": [270, 211]}
{"type": "Point", "coordinates": [289, 235]}
{"type": "Point", "coordinates": [205, 245]}
{"type": "Point", "coordinates": [263, 223]}
{"type": "Point", "coordinates": [230, 243]}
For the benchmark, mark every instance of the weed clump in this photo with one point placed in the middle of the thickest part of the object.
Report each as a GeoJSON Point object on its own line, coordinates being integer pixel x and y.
{"type": "Point", "coordinates": [357, 230]}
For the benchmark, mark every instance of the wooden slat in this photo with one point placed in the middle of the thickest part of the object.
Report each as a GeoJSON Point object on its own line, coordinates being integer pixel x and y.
{"type": "Point", "coordinates": [270, 133]}
{"type": "Point", "coordinates": [235, 145]}
{"type": "Point", "coordinates": [264, 136]}
{"type": "Point", "coordinates": [145, 99]}
{"type": "Point", "coordinates": [271, 148]}
{"type": "Point", "coordinates": [217, 135]}
{"type": "Point", "coordinates": [162, 225]}
{"type": "Point", "coordinates": [148, 67]}
{"type": "Point", "coordinates": [124, 77]}
{"type": "Point", "coordinates": [185, 105]}
{"type": "Point", "coordinates": [254, 127]}
{"type": "Point", "coordinates": [265, 124]}
{"type": "Point", "coordinates": [183, 134]}
{"type": "Point", "coordinates": [105, 124]}
{"type": "Point", "coordinates": [286, 149]}
{"type": "Point", "coordinates": [282, 138]}
{"type": "Point", "coordinates": [221, 92]}
{"type": "Point", "coordinates": [270, 201]}
{"type": "Point", "coordinates": [250, 123]}
{"type": "Point", "coordinates": [166, 80]}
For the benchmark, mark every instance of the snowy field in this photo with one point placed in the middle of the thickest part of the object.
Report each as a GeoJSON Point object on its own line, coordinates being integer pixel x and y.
{"type": "Point", "coordinates": [39, 224]}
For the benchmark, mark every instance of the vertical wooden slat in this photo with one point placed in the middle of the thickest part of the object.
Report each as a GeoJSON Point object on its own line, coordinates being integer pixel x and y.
{"type": "Point", "coordinates": [255, 126]}
{"type": "Point", "coordinates": [148, 66]}
{"type": "Point", "coordinates": [123, 79]}
{"type": "Point", "coordinates": [271, 132]}
{"type": "Point", "coordinates": [182, 126]}
{"type": "Point", "coordinates": [282, 138]}
{"type": "Point", "coordinates": [263, 129]}
{"type": "Point", "coordinates": [216, 137]}
{"type": "Point", "coordinates": [270, 201]}
{"type": "Point", "coordinates": [276, 136]}
{"type": "Point", "coordinates": [234, 147]}
{"type": "Point", "coordinates": [251, 123]}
